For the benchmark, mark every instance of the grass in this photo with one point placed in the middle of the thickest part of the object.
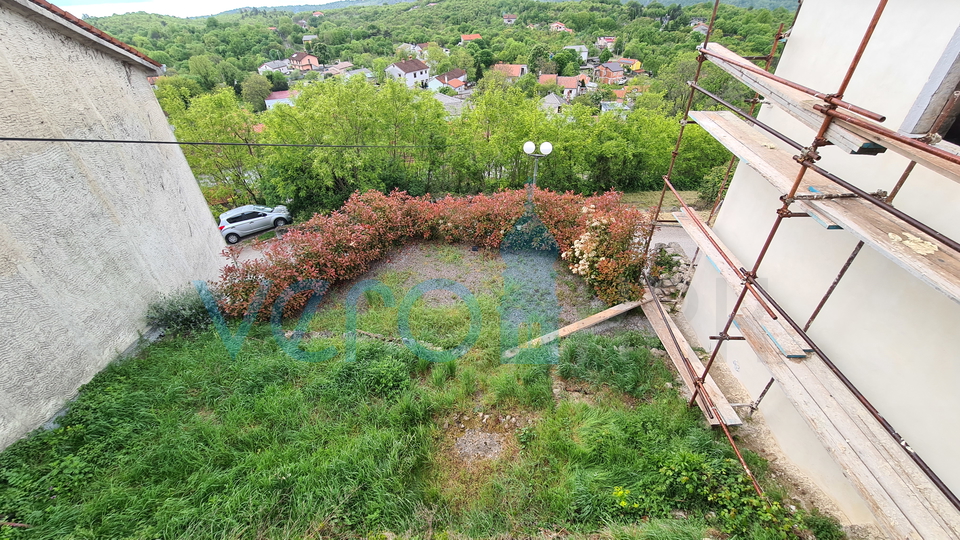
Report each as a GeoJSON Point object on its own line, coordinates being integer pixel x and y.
{"type": "Point", "coordinates": [183, 442]}
{"type": "Point", "coordinates": [647, 199]}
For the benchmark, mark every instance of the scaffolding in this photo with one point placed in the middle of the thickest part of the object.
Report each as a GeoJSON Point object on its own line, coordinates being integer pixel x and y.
{"type": "Point", "coordinates": [905, 495]}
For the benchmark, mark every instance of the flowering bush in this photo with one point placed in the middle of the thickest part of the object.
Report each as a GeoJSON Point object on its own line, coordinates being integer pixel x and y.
{"type": "Point", "coordinates": [601, 240]}
{"type": "Point", "coordinates": [609, 253]}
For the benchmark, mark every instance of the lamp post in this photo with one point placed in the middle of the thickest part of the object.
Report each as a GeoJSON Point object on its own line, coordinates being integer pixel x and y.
{"type": "Point", "coordinates": [531, 150]}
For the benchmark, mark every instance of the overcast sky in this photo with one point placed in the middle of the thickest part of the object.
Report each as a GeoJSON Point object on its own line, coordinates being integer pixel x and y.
{"type": "Point", "coordinates": [179, 8]}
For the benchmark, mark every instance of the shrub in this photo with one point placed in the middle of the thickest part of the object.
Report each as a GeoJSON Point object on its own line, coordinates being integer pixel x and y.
{"type": "Point", "coordinates": [343, 244]}
{"type": "Point", "coordinates": [181, 312]}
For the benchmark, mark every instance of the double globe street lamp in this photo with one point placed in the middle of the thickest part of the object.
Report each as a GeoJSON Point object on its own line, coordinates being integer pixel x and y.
{"type": "Point", "coordinates": [531, 150]}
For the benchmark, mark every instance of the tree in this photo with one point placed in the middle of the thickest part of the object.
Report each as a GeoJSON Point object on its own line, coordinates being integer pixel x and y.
{"type": "Point", "coordinates": [218, 117]}
{"type": "Point", "coordinates": [204, 71]}
{"type": "Point", "coordinates": [278, 81]}
{"type": "Point", "coordinates": [256, 88]}
{"type": "Point", "coordinates": [605, 55]}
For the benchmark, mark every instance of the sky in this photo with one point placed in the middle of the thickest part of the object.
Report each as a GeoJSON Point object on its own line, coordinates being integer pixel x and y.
{"type": "Point", "coordinates": [178, 8]}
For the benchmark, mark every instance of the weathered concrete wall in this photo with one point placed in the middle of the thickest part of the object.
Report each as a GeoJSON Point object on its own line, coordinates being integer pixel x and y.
{"type": "Point", "coordinates": [89, 233]}
{"type": "Point", "coordinates": [891, 334]}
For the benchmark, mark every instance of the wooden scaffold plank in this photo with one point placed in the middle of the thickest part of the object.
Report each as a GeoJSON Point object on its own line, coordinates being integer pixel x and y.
{"type": "Point", "coordinates": [667, 331]}
{"type": "Point", "coordinates": [915, 251]}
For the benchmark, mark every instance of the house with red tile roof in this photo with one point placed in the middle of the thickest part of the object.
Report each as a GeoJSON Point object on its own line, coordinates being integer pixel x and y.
{"type": "Point", "coordinates": [559, 27]}
{"type": "Point", "coordinates": [512, 71]}
{"type": "Point", "coordinates": [467, 38]}
{"type": "Point", "coordinates": [509, 18]}
{"type": "Point", "coordinates": [572, 86]}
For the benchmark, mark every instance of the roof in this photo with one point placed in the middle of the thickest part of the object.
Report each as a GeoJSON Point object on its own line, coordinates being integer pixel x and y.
{"type": "Point", "coordinates": [95, 34]}
{"type": "Point", "coordinates": [612, 66]}
{"type": "Point", "coordinates": [577, 47]}
{"type": "Point", "coordinates": [274, 64]}
{"type": "Point", "coordinates": [510, 70]}
{"type": "Point", "coordinates": [409, 66]}
{"type": "Point", "coordinates": [564, 82]}
{"type": "Point", "coordinates": [626, 61]}
{"type": "Point", "coordinates": [301, 56]}
{"type": "Point", "coordinates": [470, 37]}
{"type": "Point", "coordinates": [309, 37]}
{"type": "Point", "coordinates": [282, 94]}
{"type": "Point", "coordinates": [548, 78]}
{"type": "Point", "coordinates": [611, 39]}
{"type": "Point", "coordinates": [509, 16]}
{"type": "Point", "coordinates": [423, 46]}
{"type": "Point", "coordinates": [455, 83]}
{"type": "Point", "coordinates": [553, 100]}
{"type": "Point", "coordinates": [455, 73]}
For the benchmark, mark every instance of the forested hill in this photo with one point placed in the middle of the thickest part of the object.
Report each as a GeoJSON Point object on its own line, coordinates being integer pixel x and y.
{"type": "Point", "coordinates": [369, 36]}
{"type": "Point", "coordinates": [754, 4]}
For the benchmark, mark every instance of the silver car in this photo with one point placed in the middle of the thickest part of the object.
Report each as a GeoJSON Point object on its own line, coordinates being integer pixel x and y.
{"type": "Point", "coordinates": [250, 219]}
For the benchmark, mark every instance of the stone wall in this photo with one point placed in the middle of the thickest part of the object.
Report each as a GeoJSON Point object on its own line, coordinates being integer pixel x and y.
{"type": "Point", "coordinates": [90, 233]}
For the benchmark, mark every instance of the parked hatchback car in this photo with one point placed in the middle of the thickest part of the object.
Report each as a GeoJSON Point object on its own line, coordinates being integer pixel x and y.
{"type": "Point", "coordinates": [250, 219]}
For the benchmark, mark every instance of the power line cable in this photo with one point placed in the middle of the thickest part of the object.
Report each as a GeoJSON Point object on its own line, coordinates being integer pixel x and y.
{"type": "Point", "coordinates": [208, 143]}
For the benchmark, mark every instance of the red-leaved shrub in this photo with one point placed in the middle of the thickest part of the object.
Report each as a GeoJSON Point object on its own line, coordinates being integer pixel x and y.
{"type": "Point", "coordinates": [600, 238]}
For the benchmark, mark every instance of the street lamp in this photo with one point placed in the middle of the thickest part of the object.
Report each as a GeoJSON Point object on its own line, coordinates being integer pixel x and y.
{"type": "Point", "coordinates": [531, 150]}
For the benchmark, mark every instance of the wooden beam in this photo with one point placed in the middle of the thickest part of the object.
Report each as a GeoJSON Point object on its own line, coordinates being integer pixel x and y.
{"type": "Point", "coordinates": [571, 328]}
{"type": "Point", "coordinates": [913, 250]}
{"type": "Point", "coordinates": [796, 103]}
{"type": "Point", "coordinates": [667, 331]}
{"type": "Point", "coordinates": [748, 144]}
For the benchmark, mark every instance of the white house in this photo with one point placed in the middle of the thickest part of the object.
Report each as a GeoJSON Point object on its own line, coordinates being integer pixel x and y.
{"type": "Point", "coordinates": [605, 42]}
{"type": "Point", "coordinates": [581, 51]}
{"type": "Point", "coordinates": [413, 71]}
{"type": "Point", "coordinates": [878, 293]}
{"type": "Point", "coordinates": [283, 66]}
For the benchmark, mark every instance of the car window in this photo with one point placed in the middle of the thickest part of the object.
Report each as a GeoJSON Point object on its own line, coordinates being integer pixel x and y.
{"type": "Point", "coordinates": [242, 217]}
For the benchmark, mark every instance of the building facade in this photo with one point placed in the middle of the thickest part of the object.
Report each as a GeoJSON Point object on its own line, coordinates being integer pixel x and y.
{"type": "Point", "coordinates": [889, 323]}
{"type": "Point", "coordinates": [99, 230]}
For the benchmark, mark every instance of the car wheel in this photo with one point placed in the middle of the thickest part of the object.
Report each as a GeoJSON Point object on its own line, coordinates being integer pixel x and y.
{"type": "Point", "coordinates": [279, 222]}
{"type": "Point", "coordinates": [232, 238]}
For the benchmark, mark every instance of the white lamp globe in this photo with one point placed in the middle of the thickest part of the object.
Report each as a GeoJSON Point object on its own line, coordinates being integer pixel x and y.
{"type": "Point", "coordinates": [529, 147]}
{"type": "Point", "coordinates": [546, 148]}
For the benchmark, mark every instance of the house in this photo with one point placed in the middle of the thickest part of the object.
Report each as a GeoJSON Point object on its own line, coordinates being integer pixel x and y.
{"type": "Point", "coordinates": [363, 72]}
{"type": "Point", "coordinates": [572, 86]}
{"type": "Point", "coordinates": [511, 71]}
{"type": "Point", "coordinates": [701, 28]}
{"type": "Point", "coordinates": [626, 63]}
{"type": "Point", "coordinates": [861, 405]}
{"type": "Point", "coordinates": [283, 66]}
{"type": "Point", "coordinates": [610, 73]}
{"type": "Point", "coordinates": [318, 14]}
{"type": "Point", "coordinates": [694, 21]}
{"type": "Point", "coordinates": [455, 79]}
{"type": "Point", "coordinates": [413, 72]}
{"type": "Point", "coordinates": [282, 96]}
{"type": "Point", "coordinates": [552, 103]}
{"type": "Point", "coordinates": [606, 42]}
{"type": "Point", "coordinates": [308, 38]}
{"type": "Point", "coordinates": [467, 38]}
{"type": "Point", "coordinates": [74, 302]}
{"type": "Point", "coordinates": [559, 27]}
{"type": "Point", "coordinates": [581, 51]}
{"type": "Point", "coordinates": [339, 68]}
{"type": "Point", "coordinates": [303, 24]}
{"type": "Point", "coordinates": [509, 18]}
{"type": "Point", "coordinates": [304, 62]}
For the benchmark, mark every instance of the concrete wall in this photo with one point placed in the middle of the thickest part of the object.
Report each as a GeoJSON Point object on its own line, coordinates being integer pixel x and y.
{"type": "Point", "coordinates": [89, 233]}
{"type": "Point", "coordinates": [891, 334]}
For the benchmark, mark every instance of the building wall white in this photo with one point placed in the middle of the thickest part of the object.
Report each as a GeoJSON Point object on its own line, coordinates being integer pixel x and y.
{"type": "Point", "coordinates": [891, 334]}
{"type": "Point", "coordinates": [90, 233]}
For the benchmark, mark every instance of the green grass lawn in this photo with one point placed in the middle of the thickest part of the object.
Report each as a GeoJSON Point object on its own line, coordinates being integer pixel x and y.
{"type": "Point", "coordinates": [185, 442]}
{"type": "Point", "coordinates": [647, 199]}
